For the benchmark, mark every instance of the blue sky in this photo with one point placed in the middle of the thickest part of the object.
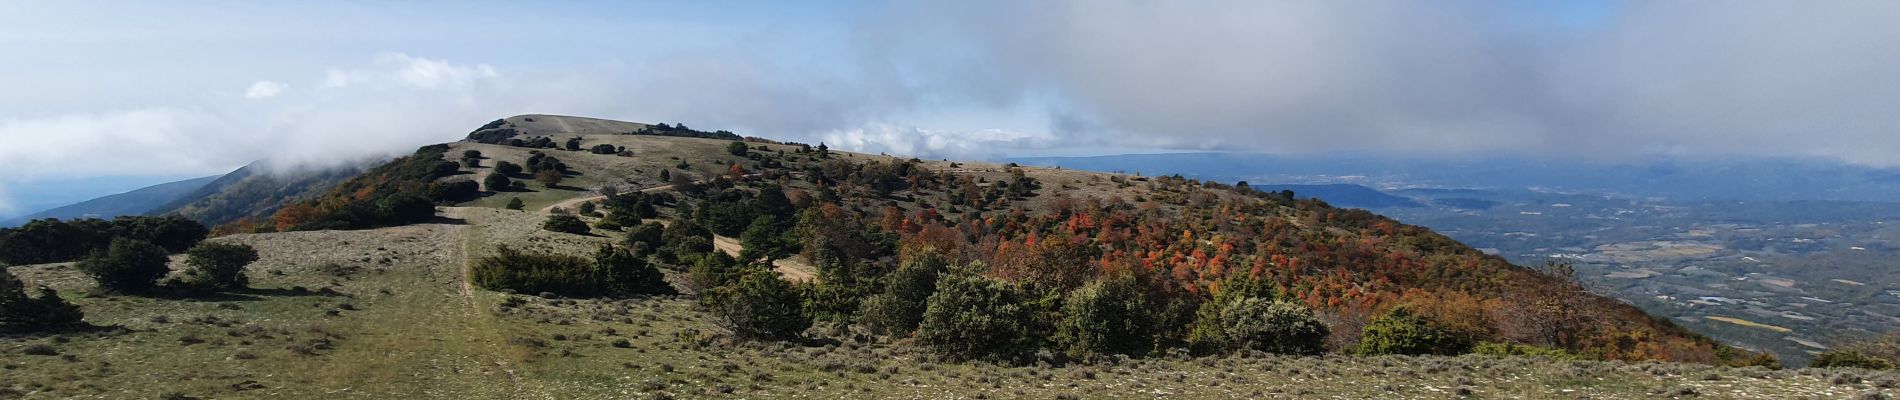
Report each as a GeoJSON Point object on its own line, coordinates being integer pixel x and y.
{"type": "Point", "coordinates": [107, 96]}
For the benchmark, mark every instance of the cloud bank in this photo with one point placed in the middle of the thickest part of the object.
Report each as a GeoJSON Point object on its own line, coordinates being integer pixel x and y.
{"type": "Point", "coordinates": [1630, 78]}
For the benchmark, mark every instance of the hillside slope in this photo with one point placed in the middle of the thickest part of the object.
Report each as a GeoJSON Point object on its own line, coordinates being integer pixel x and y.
{"type": "Point", "coordinates": [135, 202]}
{"type": "Point", "coordinates": [388, 313]}
{"type": "Point", "coordinates": [252, 191]}
{"type": "Point", "coordinates": [1058, 228]}
{"type": "Point", "coordinates": [392, 311]}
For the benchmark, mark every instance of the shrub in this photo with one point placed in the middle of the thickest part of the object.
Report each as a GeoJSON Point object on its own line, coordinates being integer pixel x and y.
{"type": "Point", "coordinates": [507, 169]}
{"type": "Point", "coordinates": [1401, 331]}
{"type": "Point", "coordinates": [834, 301]}
{"type": "Point", "coordinates": [1273, 326]}
{"type": "Point", "coordinates": [682, 238]}
{"type": "Point", "coordinates": [647, 233]}
{"type": "Point", "coordinates": [627, 273]}
{"type": "Point", "coordinates": [759, 305]}
{"type": "Point", "coordinates": [404, 208]}
{"type": "Point", "coordinates": [534, 273]}
{"type": "Point", "coordinates": [736, 148]}
{"type": "Point", "coordinates": [53, 240]}
{"type": "Point", "coordinates": [497, 182]}
{"type": "Point", "coordinates": [566, 224]}
{"type": "Point", "coordinates": [614, 271]}
{"type": "Point", "coordinates": [712, 270]}
{"type": "Point", "coordinates": [1208, 334]}
{"type": "Point", "coordinates": [127, 266]}
{"type": "Point", "coordinates": [1521, 350]}
{"type": "Point", "coordinates": [971, 317]}
{"type": "Point", "coordinates": [218, 266]}
{"type": "Point", "coordinates": [22, 313]}
{"type": "Point", "coordinates": [549, 178]}
{"type": "Point", "coordinates": [515, 204]}
{"type": "Point", "coordinates": [458, 190]}
{"type": "Point", "coordinates": [1838, 358]}
{"type": "Point", "coordinates": [1108, 316]}
{"type": "Point", "coordinates": [901, 306]}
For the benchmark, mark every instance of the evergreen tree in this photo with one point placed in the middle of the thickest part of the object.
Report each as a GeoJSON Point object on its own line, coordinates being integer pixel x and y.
{"type": "Point", "coordinates": [497, 182]}
{"type": "Point", "coordinates": [219, 266]}
{"type": "Point", "coordinates": [23, 313]}
{"type": "Point", "coordinates": [759, 304]}
{"type": "Point", "coordinates": [127, 266]}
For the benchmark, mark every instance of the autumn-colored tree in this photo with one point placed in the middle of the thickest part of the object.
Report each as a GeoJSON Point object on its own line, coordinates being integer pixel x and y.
{"type": "Point", "coordinates": [548, 178]}
{"type": "Point", "coordinates": [295, 214]}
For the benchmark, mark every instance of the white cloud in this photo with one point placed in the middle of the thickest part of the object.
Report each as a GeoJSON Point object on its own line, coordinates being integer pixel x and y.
{"type": "Point", "coordinates": [264, 89]}
{"type": "Point", "coordinates": [146, 141]}
{"type": "Point", "coordinates": [388, 106]}
{"type": "Point", "coordinates": [1440, 78]}
{"type": "Point", "coordinates": [925, 143]}
{"type": "Point", "coordinates": [402, 69]}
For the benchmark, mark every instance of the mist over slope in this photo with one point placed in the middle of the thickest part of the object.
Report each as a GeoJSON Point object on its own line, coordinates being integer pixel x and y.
{"type": "Point", "coordinates": [253, 191]}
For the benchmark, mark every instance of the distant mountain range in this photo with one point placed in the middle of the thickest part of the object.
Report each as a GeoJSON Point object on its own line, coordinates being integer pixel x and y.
{"type": "Point", "coordinates": [135, 202]}
{"type": "Point", "coordinates": [252, 191]}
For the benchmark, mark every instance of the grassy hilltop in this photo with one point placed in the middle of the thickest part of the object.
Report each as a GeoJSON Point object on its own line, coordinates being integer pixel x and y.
{"type": "Point", "coordinates": [356, 294]}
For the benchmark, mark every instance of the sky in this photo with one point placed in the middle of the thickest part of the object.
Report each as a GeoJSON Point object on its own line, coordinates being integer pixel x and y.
{"type": "Point", "coordinates": [108, 96]}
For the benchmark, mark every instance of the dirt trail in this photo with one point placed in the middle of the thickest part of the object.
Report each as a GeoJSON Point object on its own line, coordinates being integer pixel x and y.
{"type": "Point", "coordinates": [468, 297]}
{"type": "Point", "coordinates": [573, 203]}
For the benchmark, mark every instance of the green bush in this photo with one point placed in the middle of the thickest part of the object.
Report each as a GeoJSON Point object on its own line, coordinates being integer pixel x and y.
{"type": "Point", "coordinates": [1208, 332]}
{"type": "Point", "coordinates": [507, 169]}
{"type": "Point", "coordinates": [614, 271]}
{"type": "Point", "coordinates": [712, 270]}
{"type": "Point", "coordinates": [682, 238]}
{"type": "Point", "coordinates": [1838, 358]}
{"type": "Point", "coordinates": [1273, 326]}
{"type": "Point", "coordinates": [531, 273]}
{"type": "Point", "coordinates": [833, 301]}
{"type": "Point", "coordinates": [971, 317]}
{"type": "Point", "coordinates": [1401, 331]}
{"type": "Point", "coordinates": [736, 148]}
{"type": "Point", "coordinates": [758, 305]}
{"type": "Point", "coordinates": [645, 233]}
{"type": "Point", "coordinates": [627, 273]}
{"type": "Point", "coordinates": [515, 203]}
{"type": "Point", "coordinates": [127, 266]}
{"type": "Point", "coordinates": [900, 307]}
{"type": "Point", "coordinates": [1111, 315]}
{"type": "Point", "coordinates": [497, 182]}
{"type": "Point", "coordinates": [218, 266]}
{"type": "Point", "coordinates": [566, 224]}
{"type": "Point", "coordinates": [52, 240]}
{"type": "Point", "coordinates": [1522, 350]}
{"type": "Point", "coordinates": [22, 313]}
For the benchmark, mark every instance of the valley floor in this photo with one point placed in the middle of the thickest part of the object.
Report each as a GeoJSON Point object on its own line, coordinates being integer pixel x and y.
{"type": "Point", "coordinates": [388, 313]}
